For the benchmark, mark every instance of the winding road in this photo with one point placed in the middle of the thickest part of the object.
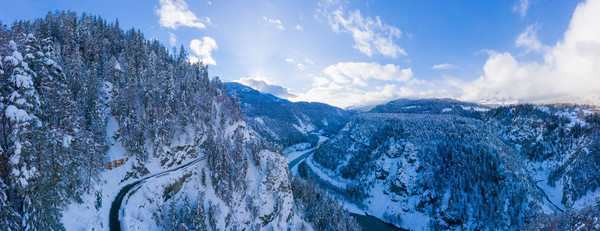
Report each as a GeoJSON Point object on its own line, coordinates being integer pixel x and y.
{"type": "Point", "coordinates": [367, 222]}
{"type": "Point", "coordinates": [300, 158]}
{"type": "Point", "coordinates": [113, 216]}
{"type": "Point", "coordinates": [548, 198]}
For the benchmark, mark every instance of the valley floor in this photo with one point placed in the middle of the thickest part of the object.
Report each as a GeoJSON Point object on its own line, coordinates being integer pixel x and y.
{"type": "Point", "coordinates": [298, 155]}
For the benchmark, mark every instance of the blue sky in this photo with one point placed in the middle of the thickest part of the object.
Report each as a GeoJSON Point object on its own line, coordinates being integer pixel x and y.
{"type": "Point", "coordinates": [356, 53]}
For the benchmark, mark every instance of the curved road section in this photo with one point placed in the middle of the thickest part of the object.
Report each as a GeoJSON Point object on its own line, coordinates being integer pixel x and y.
{"type": "Point", "coordinates": [367, 222]}
{"type": "Point", "coordinates": [113, 216]}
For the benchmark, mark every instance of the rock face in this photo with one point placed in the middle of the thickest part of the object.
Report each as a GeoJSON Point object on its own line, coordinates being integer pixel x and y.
{"type": "Point", "coordinates": [275, 193]}
{"type": "Point", "coordinates": [190, 199]}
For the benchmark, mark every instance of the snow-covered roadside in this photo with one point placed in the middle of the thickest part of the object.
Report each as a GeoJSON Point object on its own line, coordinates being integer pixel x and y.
{"type": "Point", "coordinates": [295, 151]}
{"type": "Point", "coordinates": [379, 204]}
{"type": "Point", "coordinates": [86, 216]}
{"type": "Point", "coordinates": [148, 196]}
{"type": "Point", "coordinates": [92, 214]}
{"type": "Point", "coordinates": [539, 172]}
{"type": "Point", "coordinates": [324, 176]}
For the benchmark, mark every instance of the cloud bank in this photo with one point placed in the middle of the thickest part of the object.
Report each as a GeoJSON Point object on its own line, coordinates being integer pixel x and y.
{"type": "Point", "coordinates": [570, 70]}
{"type": "Point", "coordinates": [347, 84]}
{"type": "Point", "coordinates": [358, 73]}
{"type": "Point", "coordinates": [266, 87]}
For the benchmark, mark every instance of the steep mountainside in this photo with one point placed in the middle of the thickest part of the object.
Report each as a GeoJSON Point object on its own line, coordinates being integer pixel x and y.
{"type": "Point", "coordinates": [419, 166]}
{"type": "Point", "coordinates": [429, 171]}
{"type": "Point", "coordinates": [88, 108]}
{"type": "Point", "coordinates": [561, 146]}
{"type": "Point", "coordinates": [284, 122]}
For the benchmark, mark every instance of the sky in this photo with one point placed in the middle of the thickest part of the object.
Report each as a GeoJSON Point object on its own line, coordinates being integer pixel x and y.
{"type": "Point", "coordinates": [359, 53]}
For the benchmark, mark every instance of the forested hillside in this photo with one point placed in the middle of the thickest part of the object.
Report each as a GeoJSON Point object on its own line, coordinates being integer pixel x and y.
{"type": "Point", "coordinates": [78, 92]}
{"type": "Point", "coordinates": [420, 166]}
{"type": "Point", "coordinates": [79, 95]}
{"type": "Point", "coordinates": [284, 122]}
{"type": "Point", "coordinates": [432, 106]}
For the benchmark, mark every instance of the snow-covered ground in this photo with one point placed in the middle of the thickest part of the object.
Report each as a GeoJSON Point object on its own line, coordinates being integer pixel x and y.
{"type": "Point", "coordinates": [297, 150]}
{"type": "Point", "coordinates": [148, 196]}
{"type": "Point", "coordinates": [92, 214]}
{"type": "Point", "coordinates": [324, 176]}
{"type": "Point", "coordinates": [539, 174]}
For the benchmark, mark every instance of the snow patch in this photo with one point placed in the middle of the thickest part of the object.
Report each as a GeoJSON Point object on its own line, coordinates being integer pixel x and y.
{"type": "Point", "coordinates": [16, 114]}
{"type": "Point", "coordinates": [66, 141]}
{"type": "Point", "coordinates": [324, 176]}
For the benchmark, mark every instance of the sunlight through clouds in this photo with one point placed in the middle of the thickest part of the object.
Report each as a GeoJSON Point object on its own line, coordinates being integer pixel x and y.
{"type": "Point", "coordinates": [263, 85]}
{"type": "Point", "coordinates": [352, 84]}
{"type": "Point", "coordinates": [359, 73]}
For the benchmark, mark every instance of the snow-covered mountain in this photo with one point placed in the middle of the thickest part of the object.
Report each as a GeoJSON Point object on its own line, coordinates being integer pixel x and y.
{"type": "Point", "coordinates": [560, 145]}
{"type": "Point", "coordinates": [284, 122]}
{"type": "Point", "coordinates": [420, 166]}
{"type": "Point", "coordinates": [91, 112]}
{"type": "Point", "coordinates": [92, 115]}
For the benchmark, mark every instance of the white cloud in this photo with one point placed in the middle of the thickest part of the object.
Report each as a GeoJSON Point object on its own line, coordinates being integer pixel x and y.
{"type": "Point", "coordinates": [320, 81]}
{"type": "Point", "coordinates": [371, 36]}
{"type": "Point", "coordinates": [521, 7]}
{"type": "Point", "coordinates": [175, 13]}
{"type": "Point", "coordinates": [359, 73]}
{"type": "Point", "coordinates": [569, 70]}
{"type": "Point", "coordinates": [529, 40]}
{"type": "Point", "coordinates": [172, 39]}
{"type": "Point", "coordinates": [299, 28]}
{"type": "Point", "coordinates": [345, 96]}
{"type": "Point", "coordinates": [203, 49]}
{"type": "Point", "coordinates": [263, 85]}
{"type": "Point", "coordinates": [301, 66]}
{"type": "Point", "coordinates": [351, 85]}
{"type": "Point", "coordinates": [443, 66]}
{"type": "Point", "coordinates": [275, 22]}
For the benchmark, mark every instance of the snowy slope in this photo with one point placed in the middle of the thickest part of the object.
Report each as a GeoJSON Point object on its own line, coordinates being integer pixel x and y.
{"type": "Point", "coordinates": [428, 168]}
{"type": "Point", "coordinates": [416, 170]}
{"type": "Point", "coordinates": [284, 122]}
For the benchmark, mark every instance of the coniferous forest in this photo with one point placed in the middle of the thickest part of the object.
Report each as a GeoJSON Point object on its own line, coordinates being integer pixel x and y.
{"type": "Point", "coordinates": [66, 76]}
{"type": "Point", "coordinates": [103, 128]}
